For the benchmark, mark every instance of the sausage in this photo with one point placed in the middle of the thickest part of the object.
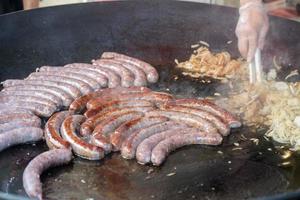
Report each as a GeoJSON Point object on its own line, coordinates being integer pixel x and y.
{"type": "Point", "coordinates": [113, 79]}
{"type": "Point", "coordinates": [127, 129]}
{"type": "Point", "coordinates": [36, 93]}
{"type": "Point", "coordinates": [80, 147]}
{"type": "Point", "coordinates": [130, 144]}
{"type": "Point", "coordinates": [140, 78]}
{"type": "Point", "coordinates": [65, 97]}
{"type": "Point", "coordinates": [33, 171]}
{"type": "Point", "coordinates": [144, 148]}
{"type": "Point", "coordinates": [80, 103]}
{"type": "Point", "coordinates": [81, 85]}
{"type": "Point", "coordinates": [26, 98]}
{"type": "Point", "coordinates": [52, 131]}
{"type": "Point", "coordinates": [209, 106]}
{"type": "Point", "coordinates": [99, 77]}
{"type": "Point", "coordinates": [187, 118]}
{"type": "Point", "coordinates": [68, 90]}
{"type": "Point", "coordinates": [20, 136]}
{"type": "Point", "coordinates": [155, 97]}
{"type": "Point", "coordinates": [163, 148]}
{"type": "Point", "coordinates": [127, 78]}
{"type": "Point", "coordinates": [101, 141]}
{"type": "Point", "coordinates": [17, 116]}
{"type": "Point", "coordinates": [222, 127]}
{"type": "Point", "coordinates": [39, 109]}
{"type": "Point", "coordinates": [88, 126]}
{"type": "Point", "coordinates": [106, 105]}
{"type": "Point", "coordinates": [19, 123]}
{"type": "Point", "coordinates": [150, 71]}
{"type": "Point", "coordinates": [11, 110]}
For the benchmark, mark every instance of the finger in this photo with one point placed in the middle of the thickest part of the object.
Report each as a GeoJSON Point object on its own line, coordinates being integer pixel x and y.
{"type": "Point", "coordinates": [263, 34]}
{"type": "Point", "coordinates": [252, 47]}
{"type": "Point", "coordinates": [243, 46]}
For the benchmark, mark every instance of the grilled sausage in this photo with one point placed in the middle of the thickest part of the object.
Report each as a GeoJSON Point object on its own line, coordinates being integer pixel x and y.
{"type": "Point", "coordinates": [187, 118]}
{"type": "Point", "coordinates": [20, 136]}
{"type": "Point", "coordinates": [68, 90]}
{"type": "Point", "coordinates": [155, 97]}
{"type": "Point", "coordinates": [81, 85]}
{"type": "Point", "coordinates": [113, 79]}
{"type": "Point", "coordinates": [130, 144]}
{"type": "Point", "coordinates": [33, 171]}
{"type": "Point", "coordinates": [26, 98]}
{"type": "Point", "coordinates": [52, 131]}
{"type": "Point", "coordinates": [162, 149]}
{"type": "Point", "coordinates": [99, 77]}
{"type": "Point", "coordinates": [35, 93]}
{"type": "Point", "coordinates": [19, 123]}
{"type": "Point", "coordinates": [144, 148]}
{"type": "Point", "coordinates": [127, 129]}
{"type": "Point", "coordinates": [88, 126]}
{"type": "Point", "coordinates": [107, 105]}
{"type": "Point", "coordinates": [65, 97]}
{"type": "Point", "coordinates": [80, 147]}
{"type": "Point", "coordinates": [222, 127]}
{"type": "Point", "coordinates": [127, 78]}
{"type": "Point", "coordinates": [150, 71]}
{"type": "Point", "coordinates": [80, 103]}
{"type": "Point", "coordinates": [209, 106]}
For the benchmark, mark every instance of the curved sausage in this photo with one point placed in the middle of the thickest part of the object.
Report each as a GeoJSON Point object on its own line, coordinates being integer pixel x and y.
{"type": "Point", "coordinates": [20, 136]}
{"type": "Point", "coordinates": [80, 103]}
{"type": "Point", "coordinates": [33, 171]}
{"type": "Point", "coordinates": [19, 123]}
{"type": "Point", "coordinates": [155, 97]}
{"type": "Point", "coordinates": [30, 99]}
{"type": "Point", "coordinates": [81, 85]}
{"type": "Point", "coordinates": [209, 106]}
{"type": "Point", "coordinates": [127, 129]}
{"type": "Point", "coordinates": [222, 127]}
{"type": "Point", "coordinates": [187, 118]}
{"type": "Point", "coordinates": [113, 79]}
{"type": "Point", "coordinates": [162, 149]}
{"type": "Point", "coordinates": [99, 77]}
{"type": "Point", "coordinates": [130, 144]}
{"type": "Point", "coordinates": [80, 147]}
{"type": "Point", "coordinates": [11, 110]}
{"type": "Point", "coordinates": [17, 116]}
{"type": "Point", "coordinates": [144, 148]}
{"type": "Point", "coordinates": [149, 70]}
{"type": "Point", "coordinates": [52, 131]}
{"type": "Point", "coordinates": [88, 126]}
{"type": "Point", "coordinates": [67, 90]}
{"type": "Point", "coordinates": [65, 97]}
{"type": "Point", "coordinates": [107, 105]}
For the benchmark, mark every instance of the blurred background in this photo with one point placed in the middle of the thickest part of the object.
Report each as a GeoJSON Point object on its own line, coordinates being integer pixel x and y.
{"type": "Point", "coordinates": [289, 9]}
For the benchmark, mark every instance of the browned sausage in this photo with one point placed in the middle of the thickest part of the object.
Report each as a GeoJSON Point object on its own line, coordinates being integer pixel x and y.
{"type": "Point", "coordinates": [33, 171]}
{"type": "Point", "coordinates": [107, 105]}
{"type": "Point", "coordinates": [99, 77]}
{"type": "Point", "coordinates": [162, 149]}
{"type": "Point", "coordinates": [52, 131]}
{"type": "Point", "coordinates": [222, 127]}
{"type": "Point", "coordinates": [20, 136]}
{"type": "Point", "coordinates": [130, 144]}
{"type": "Point", "coordinates": [127, 129]}
{"type": "Point", "coordinates": [187, 118]}
{"type": "Point", "coordinates": [149, 70]}
{"type": "Point", "coordinates": [80, 147]}
{"type": "Point", "coordinates": [209, 106]}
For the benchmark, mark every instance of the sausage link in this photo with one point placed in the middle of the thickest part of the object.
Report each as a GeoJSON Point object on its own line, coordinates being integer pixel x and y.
{"type": "Point", "coordinates": [11, 110]}
{"type": "Point", "coordinates": [130, 144]}
{"type": "Point", "coordinates": [127, 129]}
{"type": "Point", "coordinates": [26, 98]}
{"type": "Point", "coordinates": [163, 148]}
{"type": "Point", "coordinates": [52, 131]}
{"type": "Point", "coordinates": [80, 147]}
{"type": "Point", "coordinates": [149, 70]}
{"type": "Point", "coordinates": [17, 116]}
{"type": "Point", "coordinates": [209, 106]}
{"type": "Point", "coordinates": [20, 136]}
{"type": "Point", "coordinates": [19, 123]}
{"type": "Point", "coordinates": [33, 171]}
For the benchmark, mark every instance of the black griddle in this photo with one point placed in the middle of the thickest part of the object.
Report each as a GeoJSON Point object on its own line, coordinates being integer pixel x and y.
{"type": "Point", "coordinates": [157, 32]}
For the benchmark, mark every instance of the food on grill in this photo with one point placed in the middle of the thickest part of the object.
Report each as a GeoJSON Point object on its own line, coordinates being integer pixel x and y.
{"type": "Point", "coordinates": [204, 63]}
{"type": "Point", "coordinates": [33, 171]}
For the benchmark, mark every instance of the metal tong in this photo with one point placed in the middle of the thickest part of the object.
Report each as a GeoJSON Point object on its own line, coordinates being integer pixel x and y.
{"type": "Point", "coordinates": [255, 68]}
